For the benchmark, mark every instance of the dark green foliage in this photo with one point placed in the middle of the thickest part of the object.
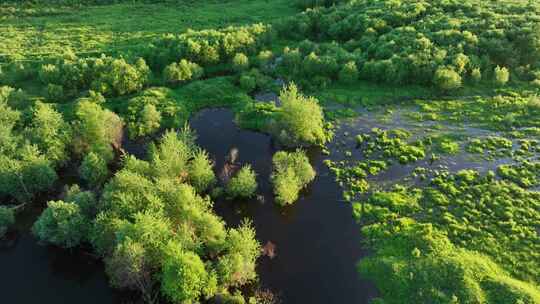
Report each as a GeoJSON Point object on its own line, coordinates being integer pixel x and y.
{"type": "Point", "coordinates": [243, 184]}
{"type": "Point", "coordinates": [349, 72]}
{"type": "Point", "coordinates": [291, 173]}
{"type": "Point", "coordinates": [7, 218]}
{"type": "Point", "coordinates": [62, 224]}
{"type": "Point", "coordinates": [93, 170]}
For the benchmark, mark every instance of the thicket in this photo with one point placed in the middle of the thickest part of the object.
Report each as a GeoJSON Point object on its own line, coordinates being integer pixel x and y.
{"type": "Point", "coordinates": [106, 75]}
{"type": "Point", "coordinates": [438, 42]}
{"type": "Point", "coordinates": [157, 234]}
{"type": "Point", "coordinates": [34, 141]}
{"type": "Point", "coordinates": [207, 47]}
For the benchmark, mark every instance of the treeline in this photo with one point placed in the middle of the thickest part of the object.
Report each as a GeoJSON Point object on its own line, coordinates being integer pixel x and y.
{"type": "Point", "coordinates": [444, 43]}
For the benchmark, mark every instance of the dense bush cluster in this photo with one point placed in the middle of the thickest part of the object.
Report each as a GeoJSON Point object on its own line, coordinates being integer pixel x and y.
{"type": "Point", "coordinates": [438, 42]}
{"type": "Point", "coordinates": [208, 47]}
{"type": "Point", "coordinates": [152, 225]}
{"type": "Point", "coordinates": [34, 141]}
{"type": "Point", "coordinates": [291, 173]}
{"type": "Point", "coordinates": [300, 120]}
{"type": "Point", "coordinates": [106, 75]}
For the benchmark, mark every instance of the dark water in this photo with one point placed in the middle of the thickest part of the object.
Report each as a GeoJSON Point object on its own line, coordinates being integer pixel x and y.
{"type": "Point", "coordinates": [38, 274]}
{"type": "Point", "coordinates": [317, 241]}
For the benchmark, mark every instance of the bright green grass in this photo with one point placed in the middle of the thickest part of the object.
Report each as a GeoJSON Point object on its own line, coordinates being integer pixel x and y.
{"type": "Point", "coordinates": [115, 27]}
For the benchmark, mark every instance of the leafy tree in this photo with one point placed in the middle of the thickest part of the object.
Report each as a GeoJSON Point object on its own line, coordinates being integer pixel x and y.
{"type": "Point", "coordinates": [240, 62]}
{"type": "Point", "coordinates": [128, 267]}
{"type": "Point", "coordinates": [447, 79]}
{"type": "Point", "coordinates": [93, 170]}
{"type": "Point", "coordinates": [184, 277]}
{"type": "Point", "coordinates": [7, 218]}
{"type": "Point", "coordinates": [244, 184]}
{"type": "Point", "coordinates": [170, 158]}
{"type": "Point", "coordinates": [476, 75]}
{"type": "Point", "coordinates": [96, 130]}
{"type": "Point", "coordinates": [151, 230]}
{"type": "Point", "coordinates": [301, 120]}
{"type": "Point", "coordinates": [148, 122]}
{"type": "Point", "coordinates": [182, 71]}
{"type": "Point", "coordinates": [291, 172]}
{"type": "Point", "coordinates": [349, 72]}
{"type": "Point", "coordinates": [61, 224]}
{"type": "Point", "coordinates": [200, 171]}
{"type": "Point", "coordinates": [287, 187]}
{"type": "Point", "coordinates": [25, 174]}
{"type": "Point", "coordinates": [237, 266]}
{"type": "Point", "coordinates": [86, 200]}
{"type": "Point", "coordinates": [264, 58]}
{"type": "Point", "coordinates": [502, 75]}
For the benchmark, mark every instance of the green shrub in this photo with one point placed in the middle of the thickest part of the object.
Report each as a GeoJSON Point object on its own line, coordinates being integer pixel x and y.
{"type": "Point", "coordinates": [349, 73]}
{"type": "Point", "coordinates": [200, 171]}
{"type": "Point", "coordinates": [237, 266]}
{"type": "Point", "coordinates": [184, 276]}
{"type": "Point", "coordinates": [240, 62]}
{"type": "Point", "coordinates": [476, 75]}
{"type": "Point", "coordinates": [301, 120]}
{"type": "Point", "coordinates": [93, 170]}
{"type": "Point", "coordinates": [148, 122]}
{"type": "Point", "coordinates": [61, 224]}
{"type": "Point", "coordinates": [502, 75]}
{"type": "Point", "coordinates": [106, 75]}
{"type": "Point", "coordinates": [291, 172]}
{"type": "Point", "coordinates": [243, 184]}
{"type": "Point", "coordinates": [447, 79]}
{"type": "Point", "coordinates": [264, 59]}
{"type": "Point", "coordinates": [55, 92]}
{"type": "Point", "coordinates": [182, 71]}
{"type": "Point", "coordinates": [96, 130]}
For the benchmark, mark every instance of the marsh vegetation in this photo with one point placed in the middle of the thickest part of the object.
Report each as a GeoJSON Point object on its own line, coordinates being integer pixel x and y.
{"type": "Point", "coordinates": [200, 151]}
